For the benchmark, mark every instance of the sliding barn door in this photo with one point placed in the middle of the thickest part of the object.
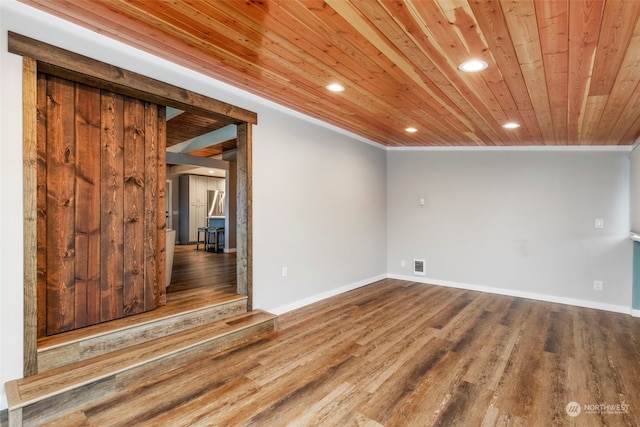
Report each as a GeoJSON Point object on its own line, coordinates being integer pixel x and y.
{"type": "Point", "coordinates": [101, 218]}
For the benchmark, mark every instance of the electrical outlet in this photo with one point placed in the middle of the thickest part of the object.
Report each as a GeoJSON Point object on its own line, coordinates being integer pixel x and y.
{"type": "Point", "coordinates": [598, 223]}
{"type": "Point", "coordinates": [598, 285]}
{"type": "Point", "coordinates": [403, 264]}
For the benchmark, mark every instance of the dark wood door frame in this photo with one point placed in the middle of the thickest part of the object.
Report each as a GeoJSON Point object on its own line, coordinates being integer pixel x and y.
{"type": "Point", "coordinates": [40, 56]}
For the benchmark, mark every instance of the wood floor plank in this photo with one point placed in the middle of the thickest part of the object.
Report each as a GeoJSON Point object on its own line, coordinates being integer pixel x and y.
{"type": "Point", "coordinates": [194, 269]}
{"type": "Point", "coordinates": [524, 370]}
{"type": "Point", "coordinates": [399, 353]}
{"type": "Point", "coordinates": [333, 406]}
{"type": "Point", "coordinates": [409, 378]}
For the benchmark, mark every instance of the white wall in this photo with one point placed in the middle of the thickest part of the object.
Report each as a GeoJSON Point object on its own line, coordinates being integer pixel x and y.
{"type": "Point", "coordinates": [313, 209]}
{"type": "Point", "coordinates": [514, 222]}
{"type": "Point", "coordinates": [321, 199]}
{"type": "Point", "coordinates": [11, 300]}
{"type": "Point", "coordinates": [635, 190]}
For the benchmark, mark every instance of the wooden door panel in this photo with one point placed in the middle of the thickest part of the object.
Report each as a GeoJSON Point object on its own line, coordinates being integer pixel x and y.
{"type": "Point", "coordinates": [87, 220]}
{"type": "Point", "coordinates": [134, 187]}
{"type": "Point", "coordinates": [112, 210]}
{"type": "Point", "coordinates": [41, 203]}
{"type": "Point", "coordinates": [151, 206]}
{"type": "Point", "coordinates": [60, 209]}
{"type": "Point", "coordinates": [99, 232]}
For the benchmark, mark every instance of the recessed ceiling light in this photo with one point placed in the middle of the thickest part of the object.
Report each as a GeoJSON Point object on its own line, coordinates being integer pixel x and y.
{"type": "Point", "coordinates": [511, 125]}
{"type": "Point", "coordinates": [335, 87]}
{"type": "Point", "coordinates": [411, 130]}
{"type": "Point", "coordinates": [472, 66]}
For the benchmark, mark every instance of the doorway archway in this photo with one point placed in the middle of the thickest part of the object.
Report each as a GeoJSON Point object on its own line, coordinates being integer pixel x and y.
{"type": "Point", "coordinates": [42, 57]}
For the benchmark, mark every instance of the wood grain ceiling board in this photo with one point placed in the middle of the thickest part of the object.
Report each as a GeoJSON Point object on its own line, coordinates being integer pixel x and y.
{"type": "Point", "coordinates": [567, 71]}
{"type": "Point", "coordinates": [186, 126]}
{"type": "Point", "coordinates": [215, 150]}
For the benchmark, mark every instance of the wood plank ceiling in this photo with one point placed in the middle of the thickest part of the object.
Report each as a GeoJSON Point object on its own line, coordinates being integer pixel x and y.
{"type": "Point", "coordinates": [186, 126]}
{"type": "Point", "coordinates": [567, 71]}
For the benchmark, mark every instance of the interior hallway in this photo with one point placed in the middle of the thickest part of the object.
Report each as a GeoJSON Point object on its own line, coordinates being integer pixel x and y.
{"type": "Point", "coordinates": [194, 270]}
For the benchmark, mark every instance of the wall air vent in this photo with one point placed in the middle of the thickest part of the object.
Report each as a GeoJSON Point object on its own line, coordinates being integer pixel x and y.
{"type": "Point", "coordinates": [418, 267]}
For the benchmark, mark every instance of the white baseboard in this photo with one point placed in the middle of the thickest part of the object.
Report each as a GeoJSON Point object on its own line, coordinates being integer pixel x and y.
{"type": "Point", "coordinates": [520, 294]}
{"type": "Point", "coordinates": [324, 295]}
{"type": "Point", "coordinates": [499, 291]}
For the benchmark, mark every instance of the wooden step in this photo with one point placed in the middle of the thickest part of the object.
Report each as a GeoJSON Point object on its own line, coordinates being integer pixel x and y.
{"type": "Point", "coordinates": [92, 341]}
{"type": "Point", "coordinates": [36, 399]}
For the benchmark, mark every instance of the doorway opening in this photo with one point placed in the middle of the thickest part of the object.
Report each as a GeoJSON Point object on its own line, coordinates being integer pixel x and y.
{"type": "Point", "coordinates": [42, 57]}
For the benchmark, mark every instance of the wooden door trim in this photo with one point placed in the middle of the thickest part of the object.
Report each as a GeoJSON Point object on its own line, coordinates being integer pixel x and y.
{"type": "Point", "coordinates": [63, 63]}
{"type": "Point", "coordinates": [40, 56]}
{"type": "Point", "coordinates": [244, 213]}
{"type": "Point", "coordinates": [30, 191]}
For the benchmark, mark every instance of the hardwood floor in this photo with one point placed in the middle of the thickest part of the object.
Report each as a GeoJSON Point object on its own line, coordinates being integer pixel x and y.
{"type": "Point", "coordinates": [397, 353]}
{"type": "Point", "coordinates": [195, 269]}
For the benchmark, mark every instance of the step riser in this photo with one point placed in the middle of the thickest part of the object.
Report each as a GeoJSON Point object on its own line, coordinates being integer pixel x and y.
{"type": "Point", "coordinates": [68, 401]}
{"type": "Point", "coordinates": [44, 410]}
{"type": "Point", "coordinates": [146, 372]}
{"type": "Point", "coordinates": [113, 341]}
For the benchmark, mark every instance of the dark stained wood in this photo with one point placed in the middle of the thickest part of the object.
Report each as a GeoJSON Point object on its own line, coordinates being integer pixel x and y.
{"type": "Point", "coordinates": [176, 97]}
{"type": "Point", "coordinates": [32, 101]}
{"type": "Point", "coordinates": [41, 190]}
{"type": "Point", "coordinates": [112, 215]}
{"type": "Point", "coordinates": [87, 240]}
{"type": "Point", "coordinates": [61, 204]}
{"type": "Point", "coordinates": [151, 205]}
{"type": "Point", "coordinates": [101, 180]}
{"type": "Point", "coordinates": [134, 224]}
{"type": "Point", "coordinates": [398, 353]}
{"type": "Point", "coordinates": [161, 219]}
{"type": "Point", "coordinates": [54, 60]}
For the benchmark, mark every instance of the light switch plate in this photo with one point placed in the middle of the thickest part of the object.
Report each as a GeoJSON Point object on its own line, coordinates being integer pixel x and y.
{"type": "Point", "coordinates": [599, 223]}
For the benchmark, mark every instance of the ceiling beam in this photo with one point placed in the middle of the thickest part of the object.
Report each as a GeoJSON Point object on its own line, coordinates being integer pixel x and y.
{"type": "Point", "coordinates": [63, 63]}
{"type": "Point", "coordinates": [205, 162]}
{"type": "Point", "coordinates": [195, 170]}
{"type": "Point", "coordinates": [210, 139]}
